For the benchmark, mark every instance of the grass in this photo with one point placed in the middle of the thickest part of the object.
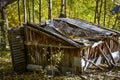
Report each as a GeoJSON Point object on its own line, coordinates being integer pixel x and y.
{"type": "Point", "coordinates": [6, 72]}
{"type": "Point", "coordinates": [5, 61]}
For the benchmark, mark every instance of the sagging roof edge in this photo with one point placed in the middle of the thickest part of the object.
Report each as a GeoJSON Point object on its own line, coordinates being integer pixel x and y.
{"type": "Point", "coordinates": [91, 23]}
{"type": "Point", "coordinates": [36, 27]}
{"type": "Point", "coordinates": [103, 27]}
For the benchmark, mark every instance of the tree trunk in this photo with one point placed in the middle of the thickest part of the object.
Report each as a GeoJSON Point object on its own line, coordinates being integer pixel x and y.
{"type": "Point", "coordinates": [40, 10]}
{"type": "Point", "coordinates": [104, 12]}
{"type": "Point", "coordinates": [3, 30]}
{"type": "Point", "coordinates": [50, 9]}
{"type": "Point", "coordinates": [62, 6]}
{"type": "Point", "coordinates": [96, 11]}
{"type": "Point", "coordinates": [116, 19]}
{"type": "Point", "coordinates": [65, 10]}
{"type": "Point", "coordinates": [29, 12]}
{"type": "Point", "coordinates": [99, 14]}
{"type": "Point", "coordinates": [25, 12]}
{"type": "Point", "coordinates": [18, 1]}
{"type": "Point", "coordinates": [33, 10]}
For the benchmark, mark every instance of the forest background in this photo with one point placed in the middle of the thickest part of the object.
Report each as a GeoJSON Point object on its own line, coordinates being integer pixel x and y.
{"type": "Point", "coordinates": [97, 11]}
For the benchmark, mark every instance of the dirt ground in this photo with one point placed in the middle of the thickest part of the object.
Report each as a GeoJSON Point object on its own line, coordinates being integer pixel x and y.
{"type": "Point", "coordinates": [6, 72]}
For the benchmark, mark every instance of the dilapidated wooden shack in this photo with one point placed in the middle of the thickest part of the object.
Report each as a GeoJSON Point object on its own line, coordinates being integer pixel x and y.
{"type": "Point", "coordinates": [71, 44]}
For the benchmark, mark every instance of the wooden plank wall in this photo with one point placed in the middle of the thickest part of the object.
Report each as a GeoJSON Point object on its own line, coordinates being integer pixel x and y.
{"type": "Point", "coordinates": [16, 41]}
{"type": "Point", "coordinates": [42, 47]}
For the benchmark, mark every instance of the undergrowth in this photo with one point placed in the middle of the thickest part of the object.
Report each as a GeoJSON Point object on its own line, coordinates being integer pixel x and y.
{"type": "Point", "coordinates": [7, 73]}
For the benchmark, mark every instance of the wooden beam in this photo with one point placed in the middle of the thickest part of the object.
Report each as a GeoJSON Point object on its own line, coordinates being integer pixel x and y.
{"type": "Point", "coordinates": [93, 64]}
{"type": "Point", "coordinates": [104, 57]}
{"type": "Point", "coordinates": [110, 53]}
{"type": "Point", "coordinates": [53, 35]}
{"type": "Point", "coordinates": [31, 43]}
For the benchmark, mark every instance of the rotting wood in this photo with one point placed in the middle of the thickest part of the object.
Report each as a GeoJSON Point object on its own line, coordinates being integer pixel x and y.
{"type": "Point", "coordinates": [32, 67]}
{"type": "Point", "coordinates": [108, 62]}
{"type": "Point", "coordinates": [110, 53]}
{"type": "Point", "coordinates": [86, 26]}
{"type": "Point", "coordinates": [54, 34]}
{"type": "Point", "coordinates": [93, 63]}
{"type": "Point", "coordinates": [86, 53]}
{"type": "Point", "coordinates": [17, 50]}
{"type": "Point", "coordinates": [38, 39]}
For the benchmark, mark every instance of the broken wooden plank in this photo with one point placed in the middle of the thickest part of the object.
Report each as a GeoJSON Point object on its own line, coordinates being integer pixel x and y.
{"type": "Point", "coordinates": [52, 34]}
{"type": "Point", "coordinates": [108, 62]}
{"type": "Point", "coordinates": [93, 63]}
{"type": "Point", "coordinates": [110, 53]}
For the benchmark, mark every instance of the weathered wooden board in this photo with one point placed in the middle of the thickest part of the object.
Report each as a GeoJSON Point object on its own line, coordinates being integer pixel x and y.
{"type": "Point", "coordinates": [77, 61]}
{"type": "Point", "coordinates": [16, 41]}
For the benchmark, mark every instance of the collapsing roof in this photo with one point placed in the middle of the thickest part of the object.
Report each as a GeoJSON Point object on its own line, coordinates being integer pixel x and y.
{"type": "Point", "coordinates": [79, 33]}
{"type": "Point", "coordinates": [76, 31]}
{"type": "Point", "coordinates": [80, 43]}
